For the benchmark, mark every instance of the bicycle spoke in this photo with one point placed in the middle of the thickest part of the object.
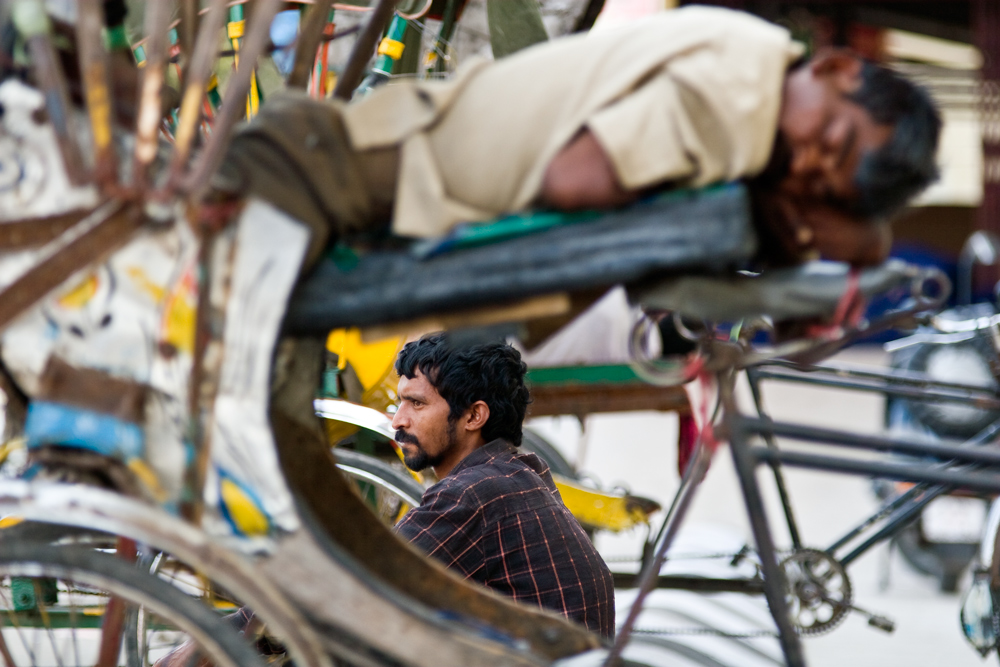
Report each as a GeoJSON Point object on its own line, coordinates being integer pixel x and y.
{"type": "Point", "coordinates": [4, 651]}
{"type": "Point", "coordinates": [46, 620]}
{"type": "Point", "coordinates": [34, 25]}
{"type": "Point", "coordinates": [8, 605]}
{"type": "Point", "coordinates": [94, 71]}
{"type": "Point", "coordinates": [308, 42]}
{"type": "Point", "coordinates": [71, 600]}
{"type": "Point", "coordinates": [232, 102]}
{"type": "Point", "coordinates": [150, 110]}
{"type": "Point", "coordinates": [197, 74]}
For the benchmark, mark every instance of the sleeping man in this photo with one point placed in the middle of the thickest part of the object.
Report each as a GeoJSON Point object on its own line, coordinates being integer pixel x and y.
{"type": "Point", "coordinates": [831, 146]}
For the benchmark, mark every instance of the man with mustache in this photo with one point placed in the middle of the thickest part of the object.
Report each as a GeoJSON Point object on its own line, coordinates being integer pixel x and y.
{"type": "Point", "coordinates": [495, 517]}
{"type": "Point", "coordinates": [832, 146]}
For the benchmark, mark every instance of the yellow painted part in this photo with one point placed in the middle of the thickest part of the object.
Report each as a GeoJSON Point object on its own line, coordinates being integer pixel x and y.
{"type": "Point", "coordinates": [142, 281]}
{"type": "Point", "coordinates": [390, 47]}
{"type": "Point", "coordinates": [371, 361]}
{"type": "Point", "coordinates": [81, 293]}
{"type": "Point", "coordinates": [179, 315]}
{"type": "Point", "coordinates": [242, 509]}
{"type": "Point", "coordinates": [253, 97]}
{"type": "Point", "coordinates": [11, 445]}
{"type": "Point", "coordinates": [235, 29]}
{"type": "Point", "coordinates": [338, 430]}
{"type": "Point", "coordinates": [9, 521]}
{"type": "Point", "coordinates": [148, 478]}
{"type": "Point", "coordinates": [100, 107]}
{"type": "Point", "coordinates": [599, 510]}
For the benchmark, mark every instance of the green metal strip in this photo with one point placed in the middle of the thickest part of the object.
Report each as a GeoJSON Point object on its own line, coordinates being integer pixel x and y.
{"type": "Point", "coordinates": [596, 375]}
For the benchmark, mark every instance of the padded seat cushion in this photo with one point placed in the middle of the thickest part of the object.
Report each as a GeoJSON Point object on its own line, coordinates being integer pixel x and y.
{"type": "Point", "coordinates": [682, 232]}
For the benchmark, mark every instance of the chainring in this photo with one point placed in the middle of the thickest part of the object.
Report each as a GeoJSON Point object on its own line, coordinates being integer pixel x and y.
{"type": "Point", "coordinates": [819, 591]}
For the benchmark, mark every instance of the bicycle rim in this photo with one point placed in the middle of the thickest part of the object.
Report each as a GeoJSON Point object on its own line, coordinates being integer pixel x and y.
{"type": "Point", "coordinates": [58, 607]}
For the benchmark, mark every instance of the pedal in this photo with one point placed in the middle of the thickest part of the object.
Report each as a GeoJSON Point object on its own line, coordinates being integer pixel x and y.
{"type": "Point", "coordinates": [882, 623]}
{"type": "Point", "coordinates": [877, 621]}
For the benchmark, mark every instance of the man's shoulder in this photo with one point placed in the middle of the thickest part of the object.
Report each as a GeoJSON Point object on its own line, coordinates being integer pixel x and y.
{"type": "Point", "coordinates": [500, 464]}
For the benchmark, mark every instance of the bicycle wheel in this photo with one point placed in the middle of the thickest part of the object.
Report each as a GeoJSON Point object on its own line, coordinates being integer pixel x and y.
{"type": "Point", "coordinates": [63, 605]}
{"type": "Point", "coordinates": [144, 642]}
{"type": "Point", "coordinates": [388, 491]}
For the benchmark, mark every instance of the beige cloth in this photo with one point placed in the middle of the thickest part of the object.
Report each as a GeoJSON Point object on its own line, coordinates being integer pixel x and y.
{"type": "Point", "coordinates": [689, 96]}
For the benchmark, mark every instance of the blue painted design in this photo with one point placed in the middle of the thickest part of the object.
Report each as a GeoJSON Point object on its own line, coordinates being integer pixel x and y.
{"type": "Point", "coordinates": [58, 424]}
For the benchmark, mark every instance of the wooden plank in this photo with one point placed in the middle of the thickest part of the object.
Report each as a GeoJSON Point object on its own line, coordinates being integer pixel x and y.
{"type": "Point", "coordinates": [585, 399]}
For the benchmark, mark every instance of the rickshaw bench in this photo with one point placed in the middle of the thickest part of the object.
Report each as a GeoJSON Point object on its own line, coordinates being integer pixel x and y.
{"type": "Point", "coordinates": [702, 231]}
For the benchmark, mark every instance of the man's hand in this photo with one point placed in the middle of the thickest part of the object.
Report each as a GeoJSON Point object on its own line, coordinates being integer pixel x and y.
{"type": "Point", "coordinates": [581, 176]}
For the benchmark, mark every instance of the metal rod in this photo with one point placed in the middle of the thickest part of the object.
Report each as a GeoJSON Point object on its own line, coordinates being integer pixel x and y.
{"type": "Point", "coordinates": [34, 25]}
{"type": "Point", "coordinates": [363, 49]}
{"type": "Point", "coordinates": [789, 370]}
{"type": "Point", "coordinates": [188, 28]}
{"type": "Point", "coordinates": [957, 453]}
{"type": "Point", "coordinates": [906, 473]}
{"type": "Point", "coordinates": [984, 436]}
{"type": "Point", "coordinates": [775, 583]}
{"type": "Point", "coordinates": [198, 72]}
{"type": "Point", "coordinates": [693, 477]}
{"type": "Point", "coordinates": [779, 478]}
{"type": "Point", "coordinates": [698, 584]}
{"type": "Point", "coordinates": [885, 510]}
{"type": "Point", "coordinates": [97, 90]}
{"type": "Point", "coordinates": [150, 104]}
{"type": "Point", "coordinates": [894, 525]}
{"type": "Point", "coordinates": [308, 43]}
{"type": "Point", "coordinates": [929, 391]}
{"type": "Point", "coordinates": [234, 99]}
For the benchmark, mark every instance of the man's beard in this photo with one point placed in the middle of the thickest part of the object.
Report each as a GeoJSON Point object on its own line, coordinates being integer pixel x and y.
{"type": "Point", "coordinates": [420, 459]}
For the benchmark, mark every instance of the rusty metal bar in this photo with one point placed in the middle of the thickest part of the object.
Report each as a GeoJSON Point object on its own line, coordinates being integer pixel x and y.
{"type": "Point", "coordinates": [97, 89]}
{"type": "Point", "coordinates": [33, 23]}
{"type": "Point", "coordinates": [233, 106]}
{"type": "Point", "coordinates": [308, 42]}
{"type": "Point", "coordinates": [150, 104]}
{"type": "Point", "coordinates": [107, 228]}
{"type": "Point", "coordinates": [113, 623]}
{"type": "Point", "coordinates": [188, 29]}
{"type": "Point", "coordinates": [197, 74]}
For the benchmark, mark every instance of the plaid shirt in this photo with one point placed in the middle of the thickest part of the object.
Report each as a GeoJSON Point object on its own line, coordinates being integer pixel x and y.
{"type": "Point", "coordinates": [498, 519]}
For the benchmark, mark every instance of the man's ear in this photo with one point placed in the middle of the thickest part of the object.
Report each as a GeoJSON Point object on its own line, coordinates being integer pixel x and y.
{"type": "Point", "coordinates": [839, 66]}
{"type": "Point", "coordinates": [479, 414]}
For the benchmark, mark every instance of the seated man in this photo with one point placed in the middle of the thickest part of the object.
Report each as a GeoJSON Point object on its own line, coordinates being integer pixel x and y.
{"type": "Point", "coordinates": [496, 516]}
{"type": "Point", "coordinates": [689, 97]}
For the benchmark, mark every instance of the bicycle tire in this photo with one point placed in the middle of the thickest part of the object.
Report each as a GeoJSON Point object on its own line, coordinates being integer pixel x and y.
{"type": "Point", "coordinates": [121, 580]}
{"type": "Point", "coordinates": [953, 420]}
{"type": "Point", "coordinates": [368, 470]}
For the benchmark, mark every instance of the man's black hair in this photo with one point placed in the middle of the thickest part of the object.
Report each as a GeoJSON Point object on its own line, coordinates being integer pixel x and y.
{"type": "Point", "coordinates": [889, 177]}
{"type": "Point", "coordinates": [463, 374]}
